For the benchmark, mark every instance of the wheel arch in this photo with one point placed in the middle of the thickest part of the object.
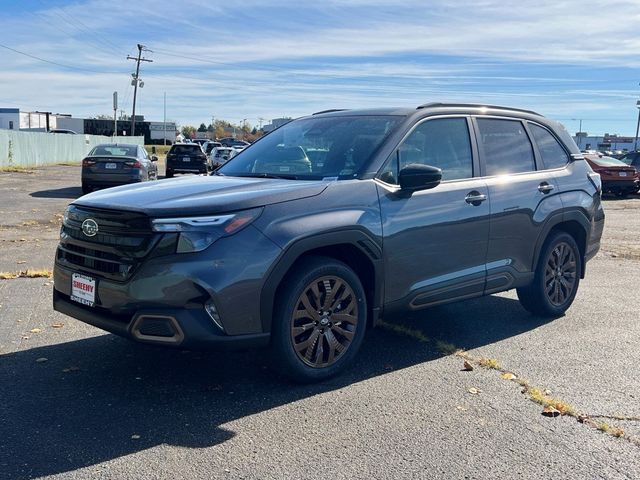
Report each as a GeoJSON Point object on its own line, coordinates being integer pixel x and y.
{"type": "Point", "coordinates": [356, 248]}
{"type": "Point", "coordinates": [573, 222]}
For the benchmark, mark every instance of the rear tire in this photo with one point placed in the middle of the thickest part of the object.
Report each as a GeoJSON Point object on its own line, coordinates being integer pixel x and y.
{"type": "Point", "coordinates": [320, 320]}
{"type": "Point", "coordinates": [168, 173]}
{"type": "Point", "coordinates": [86, 188]}
{"type": "Point", "coordinates": [556, 279]}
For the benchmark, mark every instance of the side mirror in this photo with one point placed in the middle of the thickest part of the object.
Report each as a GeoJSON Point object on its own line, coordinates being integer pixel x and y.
{"type": "Point", "coordinates": [416, 177]}
{"type": "Point", "coordinates": [154, 158]}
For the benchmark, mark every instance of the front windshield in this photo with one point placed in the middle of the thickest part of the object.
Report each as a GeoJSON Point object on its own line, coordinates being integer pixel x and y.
{"type": "Point", "coordinates": [315, 148]}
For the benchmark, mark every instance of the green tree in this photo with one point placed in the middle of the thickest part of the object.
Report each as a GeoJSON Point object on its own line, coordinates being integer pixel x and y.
{"type": "Point", "coordinates": [202, 128]}
{"type": "Point", "coordinates": [189, 131]}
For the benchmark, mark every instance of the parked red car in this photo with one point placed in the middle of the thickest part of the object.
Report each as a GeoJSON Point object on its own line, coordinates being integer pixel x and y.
{"type": "Point", "coordinates": [617, 177]}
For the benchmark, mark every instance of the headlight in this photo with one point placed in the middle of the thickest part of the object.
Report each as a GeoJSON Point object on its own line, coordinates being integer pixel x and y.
{"type": "Point", "coordinates": [198, 233]}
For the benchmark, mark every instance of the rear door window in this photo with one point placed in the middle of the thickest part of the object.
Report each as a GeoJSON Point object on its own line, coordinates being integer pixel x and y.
{"type": "Point", "coordinates": [552, 153]}
{"type": "Point", "coordinates": [506, 146]}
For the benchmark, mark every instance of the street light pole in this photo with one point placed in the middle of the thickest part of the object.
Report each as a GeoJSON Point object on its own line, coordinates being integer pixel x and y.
{"type": "Point", "coordinates": [635, 143]}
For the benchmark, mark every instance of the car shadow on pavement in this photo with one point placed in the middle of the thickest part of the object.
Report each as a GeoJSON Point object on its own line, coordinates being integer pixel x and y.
{"type": "Point", "coordinates": [103, 397]}
{"type": "Point", "coordinates": [66, 192]}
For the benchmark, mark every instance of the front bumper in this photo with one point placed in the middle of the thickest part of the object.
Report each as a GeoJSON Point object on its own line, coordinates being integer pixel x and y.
{"type": "Point", "coordinates": [178, 287]}
{"type": "Point", "coordinates": [192, 328]}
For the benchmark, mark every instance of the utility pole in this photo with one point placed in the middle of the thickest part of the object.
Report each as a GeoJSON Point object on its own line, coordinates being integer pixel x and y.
{"type": "Point", "coordinates": [136, 80]}
{"type": "Point", "coordinates": [165, 119]}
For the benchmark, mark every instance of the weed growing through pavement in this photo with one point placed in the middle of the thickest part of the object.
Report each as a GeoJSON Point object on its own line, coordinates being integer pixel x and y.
{"type": "Point", "coordinates": [29, 273]}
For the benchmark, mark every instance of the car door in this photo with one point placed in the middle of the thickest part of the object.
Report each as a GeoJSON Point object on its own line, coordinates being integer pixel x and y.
{"type": "Point", "coordinates": [522, 198]}
{"type": "Point", "coordinates": [435, 240]}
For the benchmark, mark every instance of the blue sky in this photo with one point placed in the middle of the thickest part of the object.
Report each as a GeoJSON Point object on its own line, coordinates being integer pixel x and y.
{"type": "Point", "coordinates": [568, 60]}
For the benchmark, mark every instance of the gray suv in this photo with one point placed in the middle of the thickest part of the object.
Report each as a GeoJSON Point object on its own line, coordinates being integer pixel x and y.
{"type": "Point", "coordinates": [317, 230]}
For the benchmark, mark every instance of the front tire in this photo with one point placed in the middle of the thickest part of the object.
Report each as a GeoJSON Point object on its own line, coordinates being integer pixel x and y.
{"type": "Point", "coordinates": [556, 279]}
{"type": "Point", "coordinates": [320, 320]}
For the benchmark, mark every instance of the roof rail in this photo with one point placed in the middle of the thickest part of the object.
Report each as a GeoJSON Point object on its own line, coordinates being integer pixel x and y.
{"type": "Point", "coordinates": [473, 105]}
{"type": "Point", "coordinates": [330, 110]}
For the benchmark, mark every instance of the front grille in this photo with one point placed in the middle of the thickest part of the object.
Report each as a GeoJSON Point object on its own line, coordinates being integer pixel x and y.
{"type": "Point", "coordinates": [122, 241]}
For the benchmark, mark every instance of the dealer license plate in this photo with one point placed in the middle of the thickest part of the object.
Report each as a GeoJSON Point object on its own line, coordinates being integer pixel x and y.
{"type": "Point", "coordinates": [111, 166]}
{"type": "Point", "coordinates": [186, 159]}
{"type": "Point", "coordinates": [623, 174]}
{"type": "Point", "coordinates": [83, 289]}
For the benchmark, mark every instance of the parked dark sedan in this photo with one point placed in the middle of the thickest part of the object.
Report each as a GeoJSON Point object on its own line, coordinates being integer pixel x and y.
{"type": "Point", "coordinates": [113, 164]}
{"type": "Point", "coordinates": [632, 159]}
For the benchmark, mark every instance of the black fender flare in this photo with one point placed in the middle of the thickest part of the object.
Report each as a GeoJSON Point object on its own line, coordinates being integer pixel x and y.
{"type": "Point", "coordinates": [359, 238]}
{"type": "Point", "coordinates": [556, 219]}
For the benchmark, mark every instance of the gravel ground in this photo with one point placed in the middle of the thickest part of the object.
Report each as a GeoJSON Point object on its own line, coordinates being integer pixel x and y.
{"type": "Point", "coordinates": [103, 407]}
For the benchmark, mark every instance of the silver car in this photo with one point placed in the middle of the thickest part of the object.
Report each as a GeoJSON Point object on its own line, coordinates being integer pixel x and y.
{"type": "Point", "coordinates": [114, 164]}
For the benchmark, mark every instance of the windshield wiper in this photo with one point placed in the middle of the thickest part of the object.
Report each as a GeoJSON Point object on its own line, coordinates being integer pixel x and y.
{"type": "Point", "coordinates": [270, 175]}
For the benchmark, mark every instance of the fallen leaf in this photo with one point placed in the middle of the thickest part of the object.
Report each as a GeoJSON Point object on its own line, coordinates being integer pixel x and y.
{"type": "Point", "coordinates": [135, 437]}
{"type": "Point", "coordinates": [474, 390]}
{"type": "Point", "coordinates": [41, 360]}
{"type": "Point", "coordinates": [25, 337]}
{"type": "Point", "coordinates": [547, 392]}
{"type": "Point", "coordinates": [467, 367]}
{"type": "Point", "coordinates": [35, 330]}
{"type": "Point", "coordinates": [461, 408]}
{"type": "Point", "coordinates": [57, 325]}
{"type": "Point", "coordinates": [508, 376]}
{"type": "Point", "coordinates": [550, 411]}
{"type": "Point", "coordinates": [20, 262]}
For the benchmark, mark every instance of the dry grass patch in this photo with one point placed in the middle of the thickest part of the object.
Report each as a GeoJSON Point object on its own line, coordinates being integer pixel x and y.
{"type": "Point", "coordinates": [16, 169]}
{"type": "Point", "coordinates": [606, 428]}
{"type": "Point", "coordinates": [29, 273]}
{"type": "Point", "coordinates": [490, 363]}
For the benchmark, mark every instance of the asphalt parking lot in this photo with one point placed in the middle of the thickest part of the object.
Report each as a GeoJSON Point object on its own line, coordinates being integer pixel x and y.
{"type": "Point", "coordinates": [76, 402]}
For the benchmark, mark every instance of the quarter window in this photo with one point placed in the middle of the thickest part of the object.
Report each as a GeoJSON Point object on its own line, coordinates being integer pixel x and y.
{"type": "Point", "coordinates": [442, 143]}
{"type": "Point", "coordinates": [506, 146]}
{"type": "Point", "coordinates": [553, 155]}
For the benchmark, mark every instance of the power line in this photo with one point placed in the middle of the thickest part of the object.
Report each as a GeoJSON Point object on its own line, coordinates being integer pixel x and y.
{"type": "Point", "coordinates": [86, 31]}
{"type": "Point", "coordinates": [56, 63]}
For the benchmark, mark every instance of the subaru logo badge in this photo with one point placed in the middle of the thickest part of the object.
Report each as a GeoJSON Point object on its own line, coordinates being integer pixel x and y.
{"type": "Point", "coordinates": [89, 227]}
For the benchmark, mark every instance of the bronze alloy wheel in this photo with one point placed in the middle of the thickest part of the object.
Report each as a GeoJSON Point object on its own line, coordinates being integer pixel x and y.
{"type": "Point", "coordinates": [560, 274]}
{"type": "Point", "coordinates": [324, 321]}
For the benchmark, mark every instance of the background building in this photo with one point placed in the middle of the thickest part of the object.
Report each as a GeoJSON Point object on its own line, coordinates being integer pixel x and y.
{"type": "Point", "coordinates": [275, 123]}
{"type": "Point", "coordinates": [604, 143]}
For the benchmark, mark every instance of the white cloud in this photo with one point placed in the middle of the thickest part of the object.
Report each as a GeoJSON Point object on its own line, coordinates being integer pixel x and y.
{"type": "Point", "coordinates": [286, 57]}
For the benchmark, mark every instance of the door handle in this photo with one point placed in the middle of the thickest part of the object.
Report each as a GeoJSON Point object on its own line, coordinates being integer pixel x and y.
{"type": "Point", "coordinates": [545, 187]}
{"type": "Point", "coordinates": [475, 198]}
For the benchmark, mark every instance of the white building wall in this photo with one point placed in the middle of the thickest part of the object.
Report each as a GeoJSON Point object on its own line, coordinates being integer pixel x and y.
{"type": "Point", "coordinates": [157, 131]}
{"type": "Point", "coordinates": [9, 119]}
{"type": "Point", "coordinates": [69, 123]}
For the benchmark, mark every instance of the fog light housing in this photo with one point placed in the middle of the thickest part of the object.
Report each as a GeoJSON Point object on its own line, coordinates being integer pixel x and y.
{"type": "Point", "coordinates": [212, 311]}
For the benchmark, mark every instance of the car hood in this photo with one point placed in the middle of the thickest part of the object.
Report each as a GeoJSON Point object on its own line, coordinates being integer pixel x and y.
{"type": "Point", "coordinates": [200, 195]}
